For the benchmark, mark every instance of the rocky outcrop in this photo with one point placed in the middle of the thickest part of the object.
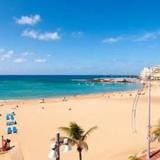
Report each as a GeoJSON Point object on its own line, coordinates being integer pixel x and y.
{"type": "Point", "coordinates": [116, 80]}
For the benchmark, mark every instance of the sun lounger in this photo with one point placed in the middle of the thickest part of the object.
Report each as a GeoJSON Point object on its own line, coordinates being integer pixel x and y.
{"type": "Point", "coordinates": [9, 130]}
{"type": "Point", "coordinates": [10, 116]}
{"type": "Point", "coordinates": [7, 116]}
{"type": "Point", "coordinates": [10, 123]}
{"type": "Point", "coordinates": [14, 129]}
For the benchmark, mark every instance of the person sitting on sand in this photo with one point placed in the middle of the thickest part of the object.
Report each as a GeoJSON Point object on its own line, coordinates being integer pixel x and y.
{"type": "Point", "coordinates": [43, 101]}
{"type": "Point", "coordinates": [6, 144]}
{"type": "Point", "coordinates": [64, 99]}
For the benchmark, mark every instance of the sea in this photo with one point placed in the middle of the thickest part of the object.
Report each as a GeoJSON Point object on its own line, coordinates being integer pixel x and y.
{"type": "Point", "coordinates": [46, 86]}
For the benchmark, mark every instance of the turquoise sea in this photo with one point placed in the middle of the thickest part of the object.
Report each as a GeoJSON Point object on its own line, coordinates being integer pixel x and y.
{"type": "Point", "coordinates": [26, 87]}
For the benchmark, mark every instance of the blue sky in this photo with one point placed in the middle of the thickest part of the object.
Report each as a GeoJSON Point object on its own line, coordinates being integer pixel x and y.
{"type": "Point", "coordinates": [78, 37]}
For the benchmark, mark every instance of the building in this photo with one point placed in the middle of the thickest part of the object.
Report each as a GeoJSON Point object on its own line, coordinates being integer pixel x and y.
{"type": "Point", "coordinates": [145, 73]}
{"type": "Point", "coordinates": [152, 72]}
{"type": "Point", "coordinates": [156, 73]}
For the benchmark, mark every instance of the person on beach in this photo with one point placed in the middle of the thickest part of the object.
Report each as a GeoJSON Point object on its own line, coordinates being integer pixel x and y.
{"type": "Point", "coordinates": [5, 144]}
{"type": "Point", "coordinates": [64, 99]}
{"type": "Point", "coordinates": [43, 101]}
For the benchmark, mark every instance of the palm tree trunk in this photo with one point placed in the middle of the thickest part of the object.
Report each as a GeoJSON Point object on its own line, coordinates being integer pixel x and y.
{"type": "Point", "coordinates": [80, 153]}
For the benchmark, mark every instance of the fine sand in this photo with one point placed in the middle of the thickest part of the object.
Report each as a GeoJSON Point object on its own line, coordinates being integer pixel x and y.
{"type": "Point", "coordinates": [37, 123]}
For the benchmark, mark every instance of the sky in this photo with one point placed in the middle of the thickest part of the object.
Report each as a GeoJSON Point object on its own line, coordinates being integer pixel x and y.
{"type": "Point", "coordinates": [78, 37]}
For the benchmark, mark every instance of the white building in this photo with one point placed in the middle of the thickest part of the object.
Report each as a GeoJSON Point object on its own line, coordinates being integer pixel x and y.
{"type": "Point", "coordinates": [156, 72]}
{"type": "Point", "coordinates": [153, 72]}
{"type": "Point", "coordinates": [145, 73]}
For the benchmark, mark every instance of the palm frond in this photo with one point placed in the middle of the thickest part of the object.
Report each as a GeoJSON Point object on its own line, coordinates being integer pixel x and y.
{"type": "Point", "coordinates": [89, 132]}
{"type": "Point", "coordinates": [76, 132]}
{"type": "Point", "coordinates": [71, 141]}
{"type": "Point", "coordinates": [156, 131]}
{"type": "Point", "coordinates": [65, 129]}
{"type": "Point", "coordinates": [133, 157]}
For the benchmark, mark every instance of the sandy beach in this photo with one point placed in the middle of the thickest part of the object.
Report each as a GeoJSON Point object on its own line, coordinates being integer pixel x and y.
{"type": "Point", "coordinates": [114, 139]}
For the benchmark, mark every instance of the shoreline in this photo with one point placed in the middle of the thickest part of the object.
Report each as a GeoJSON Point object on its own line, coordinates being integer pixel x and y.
{"type": "Point", "coordinates": [60, 98]}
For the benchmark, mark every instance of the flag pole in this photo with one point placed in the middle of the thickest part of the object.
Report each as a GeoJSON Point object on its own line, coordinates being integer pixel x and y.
{"type": "Point", "coordinates": [149, 120]}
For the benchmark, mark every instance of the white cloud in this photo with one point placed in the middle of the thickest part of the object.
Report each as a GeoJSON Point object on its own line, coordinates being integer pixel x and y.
{"type": "Point", "coordinates": [40, 60]}
{"type": "Point", "coordinates": [111, 40]}
{"type": "Point", "coordinates": [148, 36]}
{"type": "Point", "coordinates": [19, 60]}
{"type": "Point", "coordinates": [29, 20]}
{"type": "Point", "coordinates": [26, 53]}
{"type": "Point", "coordinates": [46, 36]}
{"type": "Point", "coordinates": [77, 34]}
{"type": "Point", "coordinates": [10, 52]}
{"type": "Point", "coordinates": [4, 55]}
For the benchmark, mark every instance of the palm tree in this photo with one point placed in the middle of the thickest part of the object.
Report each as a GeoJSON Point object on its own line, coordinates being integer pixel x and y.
{"type": "Point", "coordinates": [156, 132]}
{"type": "Point", "coordinates": [133, 157]}
{"type": "Point", "coordinates": [77, 136]}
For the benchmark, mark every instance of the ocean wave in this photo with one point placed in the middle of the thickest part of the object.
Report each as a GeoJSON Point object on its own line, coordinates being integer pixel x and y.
{"type": "Point", "coordinates": [78, 80]}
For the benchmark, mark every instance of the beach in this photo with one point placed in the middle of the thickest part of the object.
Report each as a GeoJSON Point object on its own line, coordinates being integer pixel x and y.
{"type": "Point", "coordinates": [115, 139]}
{"type": "Point", "coordinates": [79, 80]}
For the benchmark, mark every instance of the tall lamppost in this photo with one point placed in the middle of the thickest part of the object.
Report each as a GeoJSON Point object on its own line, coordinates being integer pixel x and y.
{"type": "Point", "coordinates": [54, 153]}
{"type": "Point", "coordinates": [149, 118]}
